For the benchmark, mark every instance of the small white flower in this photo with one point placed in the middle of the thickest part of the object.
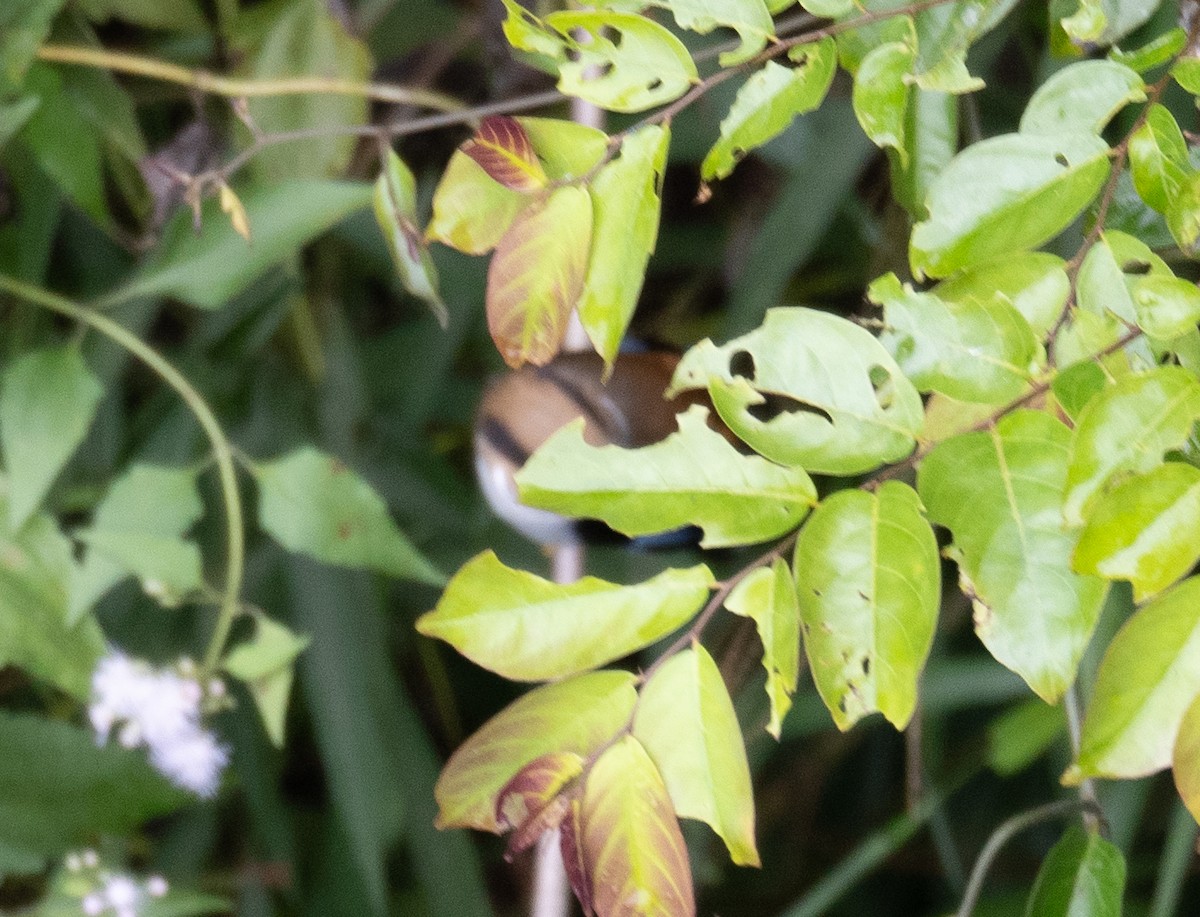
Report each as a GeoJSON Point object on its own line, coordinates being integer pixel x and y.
{"type": "Point", "coordinates": [91, 859]}
{"type": "Point", "coordinates": [156, 886]}
{"type": "Point", "coordinates": [122, 893]}
{"type": "Point", "coordinates": [93, 904]}
{"type": "Point", "coordinates": [192, 760]}
{"type": "Point", "coordinates": [160, 709]}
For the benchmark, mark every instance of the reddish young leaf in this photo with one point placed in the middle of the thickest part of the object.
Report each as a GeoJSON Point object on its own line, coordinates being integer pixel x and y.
{"type": "Point", "coordinates": [633, 850]}
{"type": "Point", "coordinates": [536, 276]}
{"type": "Point", "coordinates": [570, 843]}
{"type": "Point", "coordinates": [504, 151]}
{"type": "Point", "coordinates": [537, 799]}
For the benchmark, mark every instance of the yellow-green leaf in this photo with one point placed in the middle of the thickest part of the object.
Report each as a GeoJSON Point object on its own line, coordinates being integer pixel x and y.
{"type": "Point", "coordinates": [869, 585]}
{"type": "Point", "coordinates": [1127, 428]}
{"type": "Point", "coordinates": [685, 721]}
{"type": "Point", "coordinates": [625, 209]}
{"type": "Point", "coordinates": [578, 715]}
{"type": "Point", "coordinates": [1148, 678]}
{"type": "Point", "coordinates": [1158, 158]}
{"type": "Point", "coordinates": [1145, 530]}
{"type": "Point", "coordinates": [530, 629]}
{"type": "Point", "coordinates": [266, 663]}
{"type": "Point", "coordinates": [811, 389]}
{"type": "Point", "coordinates": [693, 477]}
{"type": "Point", "coordinates": [769, 597]}
{"type": "Point", "coordinates": [471, 211]}
{"type": "Point", "coordinates": [396, 213]}
{"type": "Point", "coordinates": [630, 844]}
{"type": "Point", "coordinates": [1000, 494]}
{"type": "Point", "coordinates": [1186, 759]}
{"type": "Point", "coordinates": [537, 275]}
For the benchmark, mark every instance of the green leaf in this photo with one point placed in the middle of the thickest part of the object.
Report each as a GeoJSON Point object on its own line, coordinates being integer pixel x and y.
{"type": "Point", "coordinates": [1185, 759]}
{"type": "Point", "coordinates": [1158, 158]}
{"type": "Point", "coordinates": [530, 629]}
{"type": "Point", "coordinates": [834, 401]}
{"type": "Point", "coordinates": [266, 663]}
{"type": "Point", "coordinates": [568, 151]}
{"type": "Point", "coordinates": [930, 142]}
{"type": "Point", "coordinates": [471, 211]}
{"type": "Point", "coordinates": [58, 789]}
{"type": "Point", "coordinates": [767, 103]}
{"type": "Point", "coordinates": [579, 715]}
{"type": "Point", "coordinates": [626, 200]}
{"type": "Point", "coordinates": [1021, 735]}
{"type": "Point", "coordinates": [749, 18]}
{"type": "Point", "coordinates": [969, 351]}
{"type": "Point", "coordinates": [1104, 22]}
{"type": "Point", "coordinates": [693, 477]}
{"type": "Point", "coordinates": [23, 27]}
{"type": "Point", "coordinates": [869, 584]}
{"type": "Point", "coordinates": [1183, 215]}
{"type": "Point", "coordinates": [881, 96]}
{"type": "Point", "coordinates": [1107, 286]}
{"type": "Point", "coordinates": [1000, 492]}
{"type": "Point", "coordinates": [14, 114]}
{"type": "Point", "coordinates": [313, 504]}
{"type": "Point", "coordinates": [1146, 682]}
{"type": "Point", "coordinates": [304, 39]}
{"type": "Point", "coordinates": [619, 61]}
{"type": "Point", "coordinates": [396, 213]}
{"type": "Point", "coordinates": [35, 567]}
{"type": "Point", "coordinates": [137, 530]}
{"type": "Point", "coordinates": [1154, 53]}
{"type": "Point", "coordinates": [769, 597]}
{"type": "Point", "coordinates": [1081, 97]}
{"type": "Point", "coordinates": [1127, 428]}
{"type": "Point", "coordinates": [1082, 874]}
{"type": "Point", "coordinates": [686, 722]}
{"type": "Point", "coordinates": [47, 401]}
{"type": "Point", "coordinates": [537, 276]}
{"type": "Point", "coordinates": [1145, 530]}
{"type": "Point", "coordinates": [210, 268]}
{"type": "Point", "coordinates": [1186, 73]}
{"type": "Point", "coordinates": [628, 839]}
{"type": "Point", "coordinates": [1005, 195]}
{"type": "Point", "coordinates": [944, 35]}
{"type": "Point", "coordinates": [1077, 385]}
{"type": "Point", "coordinates": [1167, 306]}
{"type": "Point", "coordinates": [1034, 283]}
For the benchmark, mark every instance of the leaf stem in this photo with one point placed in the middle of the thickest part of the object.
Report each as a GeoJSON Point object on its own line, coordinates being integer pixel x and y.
{"type": "Point", "coordinates": [1006, 830]}
{"type": "Point", "coordinates": [235, 88]}
{"type": "Point", "coordinates": [222, 450]}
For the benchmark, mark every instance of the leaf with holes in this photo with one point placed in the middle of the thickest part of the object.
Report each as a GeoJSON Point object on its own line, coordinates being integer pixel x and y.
{"type": "Point", "coordinates": [767, 103]}
{"type": "Point", "coordinates": [629, 841]}
{"type": "Point", "coordinates": [944, 34]}
{"type": "Point", "coordinates": [1034, 283]}
{"type": "Point", "coordinates": [313, 504]}
{"type": "Point", "coordinates": [869, 583]}
{"type": "Point", "coordinates": [47, 401]}
{"type": "Point", "coordinates": [504, 151]}
{"type": "Point", "coordinates": [809, 389]}
{"type": "Point", "coordinates": [749, 18]}
{"type": "Point", "coordinates": [537, 275]}
{"type": "Point", "coordinates": [1127, 428]}
{"type": "Point", "coordinates": [1145, 530]}
{"type": "Point", "coordinates": [1000, 494]}
{"type": "Point", "coordinates": [137, 529]}
{"type": "Point", "coordinates": [969, 351]}
{"type": "Point", "coordinates": [396, 213]}
{"type": "Point", "coordinates": [693, 477]}
{"type": "Point", "coordinates": [769, 597]}
{"type": "Point", "coordinates": [1082, 874]}
{"type": "Point", "coordinates": [626, 201]}
{"type": "Point", "coordinates": [1158, 158]}
{"type": "Point", "coordinates": [685, 721]}
{"type": "Point", "coordinates": [1145, 684]}
{"type": "Point", "coordinates": [1004, 195]}
{"type": "Point", "coordinates": [1185, 759]}
{"type": "Point", "coordinates": [530, 629]}
{"type": "Point", "coordinates": [1083, 96]}
{"type": "Point", "coordinates": [623, 62]}
{"type": "Point", "coordinates": [577, 715]}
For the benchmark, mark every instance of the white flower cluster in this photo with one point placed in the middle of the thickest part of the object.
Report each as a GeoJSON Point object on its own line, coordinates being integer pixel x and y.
{"type": "Point", "coordinates": [162, 710]}
{"type": "Point", "coordinates": [112, 893]}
